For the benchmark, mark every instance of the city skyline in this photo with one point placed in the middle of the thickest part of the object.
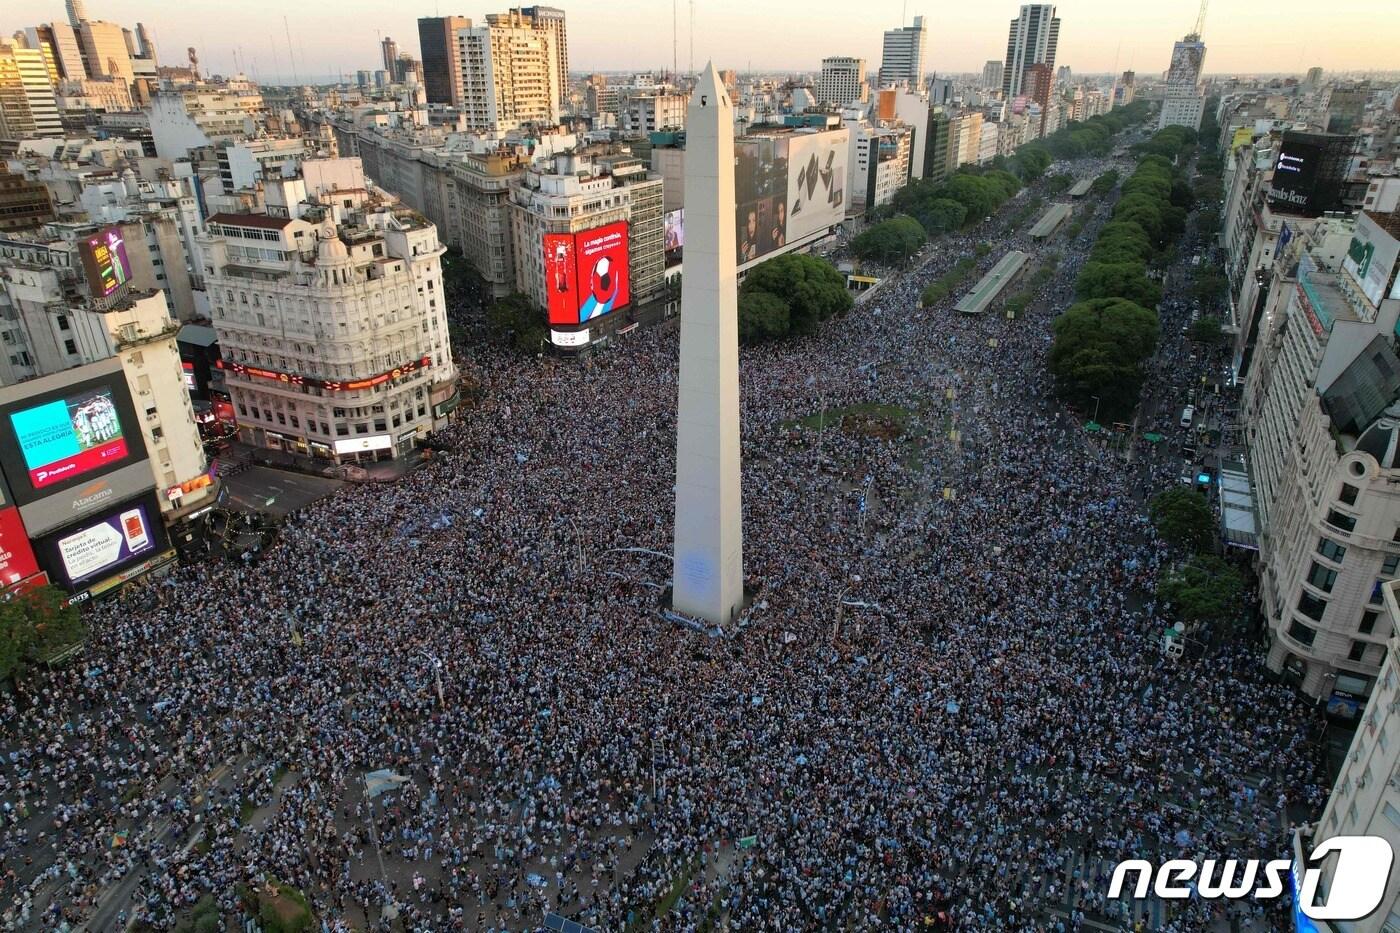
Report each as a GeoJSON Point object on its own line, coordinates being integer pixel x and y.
{"type": "Point", "coordinates": [1096, 37]}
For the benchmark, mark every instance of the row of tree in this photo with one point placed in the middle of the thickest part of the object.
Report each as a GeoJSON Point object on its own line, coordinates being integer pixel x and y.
{"type": "Point", "coordinates": [36, 626]}
{"type": "Point", "coordinates": [1103, 339]}
{"type": "Point", "coordinates": [891, 241]}
{"type": "Point", "coordinates": [965, 198]}
{"type": "Point", "coordinates": [790, 294]}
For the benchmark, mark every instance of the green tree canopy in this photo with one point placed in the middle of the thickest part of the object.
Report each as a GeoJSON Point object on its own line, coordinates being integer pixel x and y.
{"type": "Point", "coordinates": [516, 321]}
{"type": "Point", "coordinates": [890, 241]}
{"type": "Point", "coordinates": [763, 316]}
{"type": "Point", "coordinates": [1183, 518]}
{"type": "Point", "coordinates": [1117, 280]}
{"type": "Point", "coordinates": [1203, 590]}
{"type": "Point", "coordinates": [1098, 349]}
{"type": "Point", "coordinates": [811, 287]}
{"type": "Point", "coordinates": [35, 626]}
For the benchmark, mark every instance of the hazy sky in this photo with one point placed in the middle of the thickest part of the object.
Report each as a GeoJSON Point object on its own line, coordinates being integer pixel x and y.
{"type": "Point", "coordinates": [333, 36]}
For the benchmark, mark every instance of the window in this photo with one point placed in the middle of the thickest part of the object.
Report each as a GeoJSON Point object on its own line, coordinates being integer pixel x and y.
{"type": "Point", "coordinates": [1368, 622]}
{"type": "Point", "coordinates": [1311, 606]}
{"type": "Point", "coordinates": [1331, 550]}
{"type": "Point", "coordinates": [1392, 563]}
{"type": "Point", "coordinates": [70, 346]}
{"type": "Point", "coordinates": [362, 428]}
{"type": "Point", "coordinates": [62, 322]}
{"type": "Point", "coordinates": [1357, 652]}
{"type": "Point", "coordinates": [1392, 814]}
{"type": "Point", "coordinates": [1339, 520]}
{"type": "Point", "coordinates": [341, 430]}
{"type": "Point", "coordinates": [1301, 633]}
{"type": "Point", "coordinates": [1349, 494]}
{"type": "Point", "coordinates": [1322, 577]}
{"type": "Point", "coordinates": [157, 433]}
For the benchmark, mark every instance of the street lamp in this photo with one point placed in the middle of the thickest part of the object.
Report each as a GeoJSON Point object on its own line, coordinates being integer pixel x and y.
{"type": "Point", "coordinates": [1095, 419]}
{"type": "Point", "coordinates": [436, 662]}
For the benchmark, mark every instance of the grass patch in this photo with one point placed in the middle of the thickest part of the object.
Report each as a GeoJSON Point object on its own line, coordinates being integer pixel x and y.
{"type": "Point", "coordinates": [246, 811]}
{"type": "Point", "coordinates": [664, 904]}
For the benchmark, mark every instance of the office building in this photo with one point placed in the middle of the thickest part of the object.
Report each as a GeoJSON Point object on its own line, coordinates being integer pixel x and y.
{"type": "Point", "coordinates": [550, 21]}
{"type": "Point", "coordinates": [105, 50]}
{"type": "Point", "coordinates": [577, 203]}
{"type": "Point", "coordinates": [27, 104]}
{"type": "Point", "coordinates": [842, 82]}
{"type": "Point", "coordinates": [23, 203]}
{"type": "Point", "coordinates": [647, 110]}
{"type": "Point", "coordinates": [1033, 39]}
{"type": "Point", "coordinates": [1345, 106]}
{"type": "Point", "coordinates": [442, 68]}
{"type": "Point", "coordinates": [333, 334]}
{"type": "Point", "coordinates": [510, 76]}
{"type": "Point", "coordinates": [1322, 430]}
{"type": "Point", "coordinates": [1183, 102]}
{"type": "Point", "coordinates": [878, 165]}
{"type": "Point", "coordinates": [390, 52]}
{"type": "Point", "coordinates": [991, 76]}
{"type": "Point", "coordinates": [902, 59]}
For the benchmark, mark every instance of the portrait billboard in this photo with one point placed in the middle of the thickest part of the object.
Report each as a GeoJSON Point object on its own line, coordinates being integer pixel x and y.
{"type": "Point", "coordinates": [104, 544]}
{"type": "Point", "coordinates": [816, 197]}
{"type": "Point", "coordinates": [104, 260]}
{"type": "Point", "coordinates": [760, 192]}
{"type": "Point", "coordinates": [675, 236]}
{"type": "Point", "coordinates": [559, 278]}
{"type": "Point", "coordinates": [602, 271]}
{"type": "Point", "coordinates": [67, 435]}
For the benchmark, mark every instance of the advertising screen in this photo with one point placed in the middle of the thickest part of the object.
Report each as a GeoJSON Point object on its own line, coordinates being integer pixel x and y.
{"type": "Point", "coordinates": [105, 262]}
{"type": "Point", "coordinates": [760, 191]}
{"type": "Point", "coordinates": [675, 236]}
{"type": "Point", "coordinates": [1370, 259]}
{"type": "Point", "coordinates": [602, 271]}
{"type": "Point", "coordinates": [70, 436]}
{"type": "Point", "coordinates": [559, 281]}
{"type": "Point", "coordinates": [103, 544]}
{"type": "Point", "coordinates": [816, 197]}
{"type": "Point", "coordinates": [16, 556]}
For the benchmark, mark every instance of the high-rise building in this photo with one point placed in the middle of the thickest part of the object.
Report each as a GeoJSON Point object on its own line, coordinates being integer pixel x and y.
{"type": "Point", "coordinates": [1346, 106]}
{"type": "Point", "coordinates": [145, 45]}
{"type": "Point", "coordinates": [1314, 78]}
{"type": "Point", "coordinates": [442, 68]}
{"type": "Point", "coordinates": [390, 49]}
{"type": "Point", "coordinates": [67, 51]}
{"type": "Point", "coordinates": [903, 56]}
{"type": "Point", "coordinates": [77, 12]}
{"type": "Point", "coordinates": [1033, 39]}
{"type": "Point", "coordinates": [1184, 100]}
{"type": "Point", "coordinates": [842, 81]}
{"type": "Point", "coordinates": [105, 50]}
{"type": "Point", "coordinates": [991, 76]}
{"type": "Point", "coordinates": [509, 73]}
{"type": "Point", "coordinates": [27, 104]}
{"type": "Point", "coordinates": [550, 20]}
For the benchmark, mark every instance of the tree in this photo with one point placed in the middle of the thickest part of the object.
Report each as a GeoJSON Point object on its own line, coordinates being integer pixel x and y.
{"type": "Point", "coordinates": [1209, 286]}
{"type": "Point", "coordinates": [517, 322]}
{"type": "Point", "coordinates": [891, 241]}
{"type": "Point", "coordinates": [1104, 183]}
{"type": "Point", "coordinates": [763, 316]}
{"type": "Point", "coordinates": [942, 215]}
{"type": "Point", "coordinates": [1183, 518]}
{"type": "Point", "coordinates": [1203, 590]}
{"type": "Point", "coordinates": [1117, 280]}
{"type": "Point", "coordinates": [1098, 349]}
{"type": "Point", "coordinates": [35, 626]}
{"type": "Point", "coordinates": [811, 287]}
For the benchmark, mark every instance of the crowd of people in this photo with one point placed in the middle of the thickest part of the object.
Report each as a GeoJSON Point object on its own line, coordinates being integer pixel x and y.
{"type": "Point", "coordinates": [947, 708]}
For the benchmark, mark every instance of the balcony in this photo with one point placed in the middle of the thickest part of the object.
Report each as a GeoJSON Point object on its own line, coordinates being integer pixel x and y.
{"type": "Point", "coordinates": [129, 335]}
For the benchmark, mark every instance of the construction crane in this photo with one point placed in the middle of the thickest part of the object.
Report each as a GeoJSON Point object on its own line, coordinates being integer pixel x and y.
{"type": "Point", "coordinates": [1195, 35]}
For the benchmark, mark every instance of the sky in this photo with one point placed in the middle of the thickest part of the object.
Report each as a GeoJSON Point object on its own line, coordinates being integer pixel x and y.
{"type": "Point", "coordinates": [331, 37]}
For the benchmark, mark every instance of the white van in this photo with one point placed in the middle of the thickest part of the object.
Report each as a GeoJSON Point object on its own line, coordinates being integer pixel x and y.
{"type": "Point", "coordinates": [1188, 414]}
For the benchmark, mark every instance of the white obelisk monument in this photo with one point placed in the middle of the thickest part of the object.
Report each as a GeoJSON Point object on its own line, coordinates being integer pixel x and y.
{"type": "Point", "coordinates": [708, 577]}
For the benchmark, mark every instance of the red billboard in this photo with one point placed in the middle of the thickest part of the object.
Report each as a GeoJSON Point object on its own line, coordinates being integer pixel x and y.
{"type": "Point", "coordinates": [16, 556]}
{"type": "Point", "coordinates": [559, 279]}
{"type": "Point", "coordinates": [586, 274]}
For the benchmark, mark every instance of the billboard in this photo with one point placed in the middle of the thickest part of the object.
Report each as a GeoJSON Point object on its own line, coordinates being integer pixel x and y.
{"type": "Point", "coordinates": [761, 192]}
{"type": "Point", "coordinates": [603, 270]}
{"type": "Point", "coordinates": [16, 556]}
{"type": "Point", "coordinates": [56, 439]}
{"type": "Point", "coordinates": [1370, 259]}
{"type": "Point", "coordinates": [675, 236]}
{"type": "Point", "coordinates": [1308, 173]}
{"type": "Point", "coordinates": [105, 262]}
{"type": "Point", "coordinates": [364, 444]}
{"type": "Point", "coordinates": [104, 544]}
{"type": "Point", "coordinates": [587, 274]}
{"type": "Point", "coordinates": [62, 508]}
{"type": "Point", "coordinates": [559, 280]}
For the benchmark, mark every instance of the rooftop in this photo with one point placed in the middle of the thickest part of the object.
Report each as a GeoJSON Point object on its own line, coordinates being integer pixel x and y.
{"type": "Point", "coordinates": [261, 221]}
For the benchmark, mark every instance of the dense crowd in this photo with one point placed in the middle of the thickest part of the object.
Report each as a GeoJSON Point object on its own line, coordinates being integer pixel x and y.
{"type": "Point", "coordinates": [950, 680]}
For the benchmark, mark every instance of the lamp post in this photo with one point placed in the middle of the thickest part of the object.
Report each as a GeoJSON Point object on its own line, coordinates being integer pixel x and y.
{"type": "Point", "coordinates": [1095, 419]}
{"type": "Point", "coordinates": [436, 663]}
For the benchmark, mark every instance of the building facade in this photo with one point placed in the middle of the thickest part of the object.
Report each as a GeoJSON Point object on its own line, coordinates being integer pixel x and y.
{"type": "Point", "coordinates": [333, 331]}
{"type": "Point", "coordinates": [27, 103]}
{"type": "Point", "coordinates": [510, 75]}
{"type": "Point", "coordinates": [1183, 103]}
{"type": "Point", "coordinates": [1033, 40]}
{"type": "Point", "coordinates": [842, 82]}
{"type": "Point", "coordinates": [442, 69]}
{"type": "Point", "coordinates": [902, 59]}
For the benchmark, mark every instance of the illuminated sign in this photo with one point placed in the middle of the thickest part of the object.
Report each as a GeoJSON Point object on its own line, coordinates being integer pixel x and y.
{"type": "Point", "coordinates": [565, 338]}
{"type": "Point", "coordinates": [330, 385]}
{"type": "Point", "coordinates": [559, 281]}
{"type": "Point", "coordinates": [16, 556]}
{"type": "Point", "coordinates": [112, 540]}
{"type": "Point", "coordinates": [70, 436]}
{"type": "Point", "coordinates": [364, 444]}
{"type": "Point", "coordinates": [587, 275]}
{"type": "Point", "coordinates": [105, 262]}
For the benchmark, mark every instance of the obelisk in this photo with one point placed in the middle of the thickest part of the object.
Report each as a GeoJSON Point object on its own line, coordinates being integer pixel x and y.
{"type": "Point", "coordinates": [708, 570]}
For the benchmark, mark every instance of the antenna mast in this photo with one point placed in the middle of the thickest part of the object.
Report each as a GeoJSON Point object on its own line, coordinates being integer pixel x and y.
{"type": "Point", "coordinates": [291, 55]}
{"type": "Point", "coordinates": [1200, 22]}
{"type": "Point", "coordinates": [675, 41]}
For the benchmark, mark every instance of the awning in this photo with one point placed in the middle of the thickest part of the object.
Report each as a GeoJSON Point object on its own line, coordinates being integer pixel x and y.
{"type": "Point", "coordinates": [1092, 427]}
{"type": "Point", "coordinates": [1152, 437]}
{"type": "Point", "coordinates": [1237, 521]}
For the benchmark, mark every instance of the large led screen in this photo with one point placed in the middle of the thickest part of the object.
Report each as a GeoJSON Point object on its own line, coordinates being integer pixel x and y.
{"type": "Point", "coordinates": [70, 436]}
{"type": "Point", "coordinates": [559, 282]}
{"type": "Point", "coordinates": [787, 188]}
{"type": "Point", "coordinates": [16, 556]}
{"type": "Point", "coordinates": [105, 544]}
{"type": "Point", "coordinates": [105, 262]}
{"type": "Point", "coordinates": [602, 270]}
